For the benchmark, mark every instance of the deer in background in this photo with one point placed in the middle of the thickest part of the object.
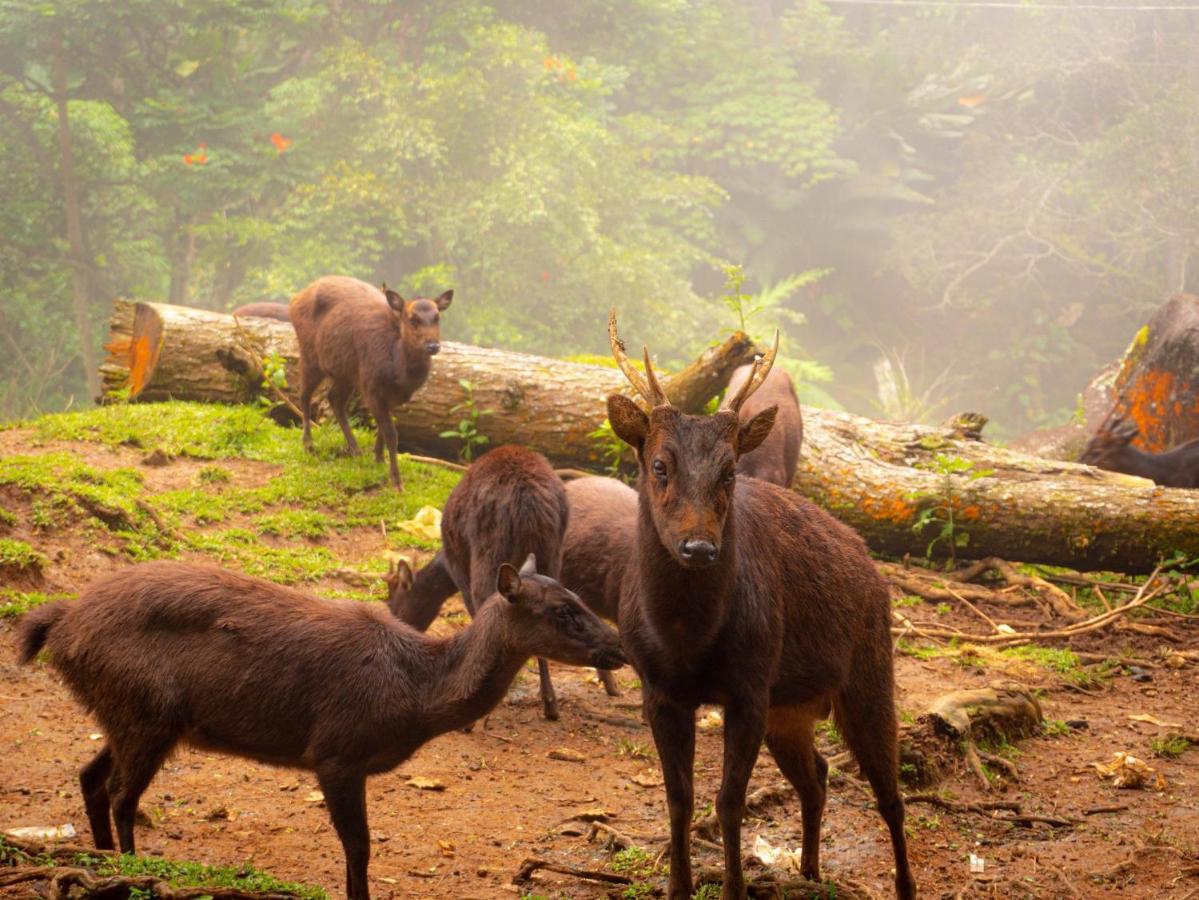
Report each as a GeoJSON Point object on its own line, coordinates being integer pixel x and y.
{"type": "Point", "coordinates": [365, 339]}
{"type": "Point", "coordinates": [777, 457]}
{"type": "Point", "coordinates": [279, 311]}
{"type": "Point", "coordinates": [1111, 448]}
{"type": "Point", "coordinates": [168, 652]}
{"type": "Point", "coordinates": [746, 595]}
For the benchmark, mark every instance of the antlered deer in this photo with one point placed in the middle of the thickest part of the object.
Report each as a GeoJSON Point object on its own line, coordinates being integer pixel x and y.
{"type": "Point", "coordinates": [280, 311]}
{"type": "Point", "coordinates": [746, 595]}
{"type": "Point", "coordinates": [1111, 448]}
{"type": "Point", "coordinates": [596, 549]}
{"type": "Point", "coordinates": [775, 459]}
{"type": "Point", "coordinates": [365, 339]}
{"type": "Point", "coordinates": [169, 652]}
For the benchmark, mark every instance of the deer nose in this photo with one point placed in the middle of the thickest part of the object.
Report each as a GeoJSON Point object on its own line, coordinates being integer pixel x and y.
{"type": "Point", "coordinates": [432, 347]}
{"type": "Point", "coordinates": [698, 551]}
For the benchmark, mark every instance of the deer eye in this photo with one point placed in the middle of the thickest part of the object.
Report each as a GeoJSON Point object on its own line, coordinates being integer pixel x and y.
{"type": "Point", "coordinates": [659, 468]}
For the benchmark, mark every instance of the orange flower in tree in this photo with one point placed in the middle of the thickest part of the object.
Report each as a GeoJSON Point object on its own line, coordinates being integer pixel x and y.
{"type": "Point", "coordinates": [281, 143]}
{"type": "Point", "coordinates": [199, 158]}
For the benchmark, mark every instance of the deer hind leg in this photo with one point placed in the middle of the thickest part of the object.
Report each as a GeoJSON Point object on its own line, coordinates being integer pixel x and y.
{"type": "Point", "coordinates": [345, 796]}
{"type": "Point", "coordinates": [134, 767]}
{"type": "Point", "coordinates": [310, 380]}
{"type": "Point", "coordinates": [865, 713]}
{"type": "Point", "coordinates": [93, 781]}
{"type": "Point", "coordinates": [608, 680]}
{"type": "Point", "coordinates": [339, 398]}
{"type": "Point", "coordinates": [789, 737]}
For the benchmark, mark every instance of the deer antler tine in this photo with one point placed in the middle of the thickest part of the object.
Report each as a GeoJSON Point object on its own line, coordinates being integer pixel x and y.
{"type": "Point", "coordinates": [659, 398]}
{"type": "Point", "coordinates": [761, 368]}
{"type": "Point", "coordinates": [636, 379]}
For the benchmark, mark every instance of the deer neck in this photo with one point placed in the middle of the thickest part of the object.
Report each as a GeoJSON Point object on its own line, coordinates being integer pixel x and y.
{"type": "Point", "coordinates": [475, 668]}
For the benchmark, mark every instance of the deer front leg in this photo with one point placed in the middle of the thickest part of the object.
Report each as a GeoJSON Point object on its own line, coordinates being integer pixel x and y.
{"type": "Point", "coordinates": [744, 729]}
{"type": "Point", "coordinates": [673, 728]}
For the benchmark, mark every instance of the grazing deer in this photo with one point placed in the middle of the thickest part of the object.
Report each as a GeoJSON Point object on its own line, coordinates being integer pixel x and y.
{"type": "Point", "coordinates": [365, 339]}
{"type": "Point", "coordinates": [1110, 447]}
{"type": "Point", "coordinates": [280, 311]}
{"type": "Point", "coordinates": [746, 595]}
{"type": "Point", "coordinates": [596, 549]}
{"type": "Point", "coordinates": [168, 652]}
{"type": "Point", "coordinates": [776, 458]}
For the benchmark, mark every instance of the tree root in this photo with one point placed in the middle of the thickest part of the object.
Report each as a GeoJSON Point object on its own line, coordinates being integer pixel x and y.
{"type": "Point", "coordinates": [65, 882]}
{"type": "Point", "coordinates": [709, 826]}
{"type": "Point", "coordinates": [991, 810]}
{"type": "Point", "coordinates": [770, 887]}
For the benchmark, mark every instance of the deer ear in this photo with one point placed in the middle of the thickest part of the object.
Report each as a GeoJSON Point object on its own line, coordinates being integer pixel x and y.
{"type": "Point", "coordinates": [751, 434]}
{"type": "Point", "coordinates": [403, 576]}
{"type": "Point", "coordinates": [628, 421]}
{"type": "Point", "coordinates": [529, 567]}
{"type": "Point", "coordinates": [507, 582]}
{"type": "Point", "coordinates": [445, 299]}
{"type": "Point", "coordinates": [394, 300]}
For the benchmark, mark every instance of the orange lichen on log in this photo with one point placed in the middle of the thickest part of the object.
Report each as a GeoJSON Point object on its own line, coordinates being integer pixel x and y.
{"type": "Point", "coordinates": [1148, 399]}
{"type": "Point", "coordinates": [889, 509]}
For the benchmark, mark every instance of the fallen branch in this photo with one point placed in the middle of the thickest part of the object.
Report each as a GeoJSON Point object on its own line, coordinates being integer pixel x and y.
{"type": "Point", "coordinates": [709, 826]}
{"type": "Point", "coordinates": [534, 864]}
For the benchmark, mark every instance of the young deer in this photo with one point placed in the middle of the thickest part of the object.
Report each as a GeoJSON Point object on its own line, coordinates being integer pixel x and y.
{"type": "Point", "coordinates": [596, 549]}
{"type": "Point", "coordinates": [280, 311]}
{"type": "Point", "coordinates": [776, 458]}
{"type": "Point", "coordinates": [746, 595]}
{"type": "Point", "coordinates": [1111, 448]}
{"type": "Point", "coordinates": [368, 340]}
{"type": "Point", "coordinates": [169, 652]}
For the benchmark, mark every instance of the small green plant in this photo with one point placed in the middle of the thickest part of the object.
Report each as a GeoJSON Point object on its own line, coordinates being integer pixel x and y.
{"type": "Point", "coordinates": [1171, 746]}
{"type": "Point", "coordinates": [635, 749]}
{"type": "Point", "coordinates": [636, 862]}
{"type": "Point", "coordinates": [709, 891]}
{"type": "Point", "coordinates": [274, 378]}
{"type": "Point", "coordinates": [468, 426]}
{"type": "Point", "coordinates": [907, 602]}
{"type": "Point", "coordinates": [612, 451]}
{"type": "Point", "coordinates": [1054, 727]}
{"type": "Point", "coordinates": [7, 519]}
{"type": "Point", "coordinates": [19, 556]}
{"type": "Point", "coordinates": [943, 609]}
{"type": "Point", "coordinates": [940, 515]}
{"type": "Point", "coordinates": [214, 475]}
{"type": "Point", "coordinates": [769, 300]}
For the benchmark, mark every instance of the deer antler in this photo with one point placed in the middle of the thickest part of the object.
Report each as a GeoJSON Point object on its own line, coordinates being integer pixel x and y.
{"type": "Point", "coordinates": [647, 386]}
{"type": "Point", "coordinates": [762, 367]}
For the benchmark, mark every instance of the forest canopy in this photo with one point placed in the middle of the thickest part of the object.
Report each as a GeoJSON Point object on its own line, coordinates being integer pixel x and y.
{"type": "Point", "coordinates": [942, 205]}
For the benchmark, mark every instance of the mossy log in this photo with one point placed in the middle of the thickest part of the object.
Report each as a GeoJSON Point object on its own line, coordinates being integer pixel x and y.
{"type": "Point", "coordinates": [157, 352]}
{"type": "Point", "coordinates": [879, 477]}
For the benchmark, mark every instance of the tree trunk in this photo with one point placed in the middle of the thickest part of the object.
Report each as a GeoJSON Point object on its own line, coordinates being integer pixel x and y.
{"type": "Point", "coordinates": [74, 214]}
{"type": "Point", "coordinates": [158, 352]}
{"type": "Point", "coordinates": [879, 477]}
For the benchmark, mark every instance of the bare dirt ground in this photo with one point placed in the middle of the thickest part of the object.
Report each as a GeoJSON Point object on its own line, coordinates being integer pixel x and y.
{"type": "Point", "coordinates": [505, 798]}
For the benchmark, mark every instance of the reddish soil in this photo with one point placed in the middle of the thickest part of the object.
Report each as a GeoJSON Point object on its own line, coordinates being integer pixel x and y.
{"type": "Point", "coordinates": [505, 799]}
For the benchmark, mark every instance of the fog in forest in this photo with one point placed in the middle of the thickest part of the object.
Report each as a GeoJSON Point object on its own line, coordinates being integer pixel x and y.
{"type": "Point", "coordinates": [942, 206]}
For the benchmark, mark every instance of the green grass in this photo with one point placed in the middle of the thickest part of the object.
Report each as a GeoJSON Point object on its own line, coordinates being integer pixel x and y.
{"type": "Point", "coordinates": [293, 523]}
{"type": "Point", "coordinates": [285, 565]}
{"type": "Point", "coordinates": [7, 519]}
{"type": "Point", "coordinates": [18, 555]}
{"type": "Point", "coordinates": [1171, 746]}
{"type": "Point", "coordinates": [1064, 662]}
{"type": "Point", "coordinates": [14, 604]}
{"type": "Point", "coordinates": [179, 874]}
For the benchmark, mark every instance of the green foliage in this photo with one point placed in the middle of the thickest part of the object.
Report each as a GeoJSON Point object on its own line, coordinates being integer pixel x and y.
{"type": "Point", "coordinates": [940, 511]}
{"type": "Point", "coordinates": [467, 431]}
{"type": "Point", "coordinates": [18, 556]}
{"type": "Point", "coordinates": [14, 603]}
{"type": "Point", "coordinates": [1171, 746]}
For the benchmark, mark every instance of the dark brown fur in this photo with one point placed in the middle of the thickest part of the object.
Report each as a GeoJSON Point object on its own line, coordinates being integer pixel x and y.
{"type": "Point", "coordinates": [280, 311]}
{"type": "Point", "coordinates": [508, 504]}
{"type": "Point", "coordinates": [748, 596]}
{"type": "Point", "coordinates": [168, 652]}
{"type": "Point", "coordinates": [596, 549]}
{"type": "Point", "coordinates": [776, 458]}
{"type": "Point", "coordinates": [1111, 448]}
{"type": "Point", "coordinates": [365, 340]}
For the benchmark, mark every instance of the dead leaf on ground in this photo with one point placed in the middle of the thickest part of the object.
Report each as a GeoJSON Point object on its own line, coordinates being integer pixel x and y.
{"type": "Point", "coordinates": [1128, 771]}
{"type": "Point", "coordinates": [315, 797]}
{"type": "Point", "coordinates": [566, 755]}
{"type": "Point", "coordinates": [1153, 720]}
{"type": "Point", "coordinates": [650, 778]}
{"type": "Point", "coordinates": [421, 783]}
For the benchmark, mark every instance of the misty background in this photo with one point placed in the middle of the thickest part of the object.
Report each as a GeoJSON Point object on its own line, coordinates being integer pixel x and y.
{"type": "Point", "coordinates": [944, 206]}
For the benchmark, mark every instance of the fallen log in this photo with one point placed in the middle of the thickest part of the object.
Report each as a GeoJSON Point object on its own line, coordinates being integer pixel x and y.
{"type": "Point", "coordinates": [898, 484]}
{"type": "Point", "coordinates": [158, 352]}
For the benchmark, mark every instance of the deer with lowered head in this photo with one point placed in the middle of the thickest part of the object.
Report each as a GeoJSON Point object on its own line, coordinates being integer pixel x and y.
{"type": "Point", "coordinates": [777, 457]}
{"type": "Point", "coordinates": [1110, 447]}
{"type": "Point", "coordinates": [164, 653]}
{"type": "Point", "coordinates": [367, 340]}
{"type": "Point", "coordinates": [745, 595]}
{"type": "Point", "coordinates": [596, 549]}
